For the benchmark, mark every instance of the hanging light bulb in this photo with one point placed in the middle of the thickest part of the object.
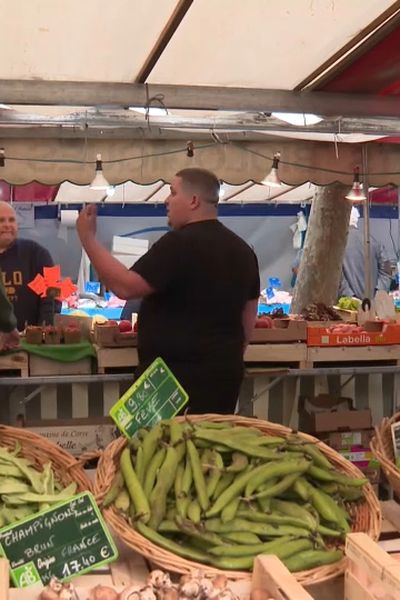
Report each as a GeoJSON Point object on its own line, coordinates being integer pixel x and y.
{"type": "Point", "coordinates": [272, 179]}
{"type": "Point", "coordinates": [356, 193]}
{"type": "Point", "coordinates": [99, 182]}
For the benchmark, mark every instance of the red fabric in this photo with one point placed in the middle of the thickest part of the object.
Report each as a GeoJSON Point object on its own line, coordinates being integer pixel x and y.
{"type": "Point", "coordinates": [31, 192]}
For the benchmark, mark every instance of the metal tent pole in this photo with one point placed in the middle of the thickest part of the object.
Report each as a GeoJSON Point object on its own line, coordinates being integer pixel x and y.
{"type": "Point", "coordinates": [369, 292]}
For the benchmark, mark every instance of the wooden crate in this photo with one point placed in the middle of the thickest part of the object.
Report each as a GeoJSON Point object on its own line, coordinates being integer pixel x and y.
{"type": "Point", "coordinates": [38, 365]}
{"type": "Point", "coordinates": [109, 336]}
{"type": "Point", "coordinates": [284, 330]}
{"type": "Point", "coordinates": [269, 574]}
{"type": "Point", "coordinates": [15, 362]}
{"type": "Point", "coordinates": [276, 353]}
{"type": "Point", "coordinates": [372, 574]}
{"type": "Point", "coordinates": [353, 353]}
{"type": "Point", "coordinates": [114, 358]}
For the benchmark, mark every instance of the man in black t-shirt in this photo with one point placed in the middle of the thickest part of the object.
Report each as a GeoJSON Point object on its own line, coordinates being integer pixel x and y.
{"type": "Point", "coordinates": [200, 287]}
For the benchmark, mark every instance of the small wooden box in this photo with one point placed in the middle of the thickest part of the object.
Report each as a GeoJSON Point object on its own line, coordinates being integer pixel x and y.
{"type": "Point", "coordinates": [284, 330]}
{"type": "Point", "coordinates": [39, 365]}
{"type": "Point", "coordinates": [372, 574]}
{"type": "Point", "coordinates": [109, 336]}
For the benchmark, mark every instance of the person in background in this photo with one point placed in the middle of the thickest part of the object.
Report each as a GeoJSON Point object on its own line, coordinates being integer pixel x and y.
{"type": "Point", "coordinates": [20, 261]}
{"type": "Point", "coordinates": [200, 287]}
{"type": "Point", "coordinates": [352, 281]}
{"type": "Point", "coordinates": [9, 336]}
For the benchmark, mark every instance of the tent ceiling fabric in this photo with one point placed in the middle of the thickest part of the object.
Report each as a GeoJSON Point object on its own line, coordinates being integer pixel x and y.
{"type": "Point", "coordinates": [236, 163]}
{"type": "Point", "coordinates": [272, 46]}
{"type": "Point", "coordinates": [132, 193]}
{"type": "Point", "coordinates": [90, 40]}
{"type": "Point", "coordinates": [258, 39]}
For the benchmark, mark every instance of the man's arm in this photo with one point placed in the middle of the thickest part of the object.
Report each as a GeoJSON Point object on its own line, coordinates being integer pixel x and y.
{"type": "Point", "coordinates": [121, 281]}
{"type": "Point", "coordinates": [124, 283]}
{"type": "Point", "coordinates": [249, 315]}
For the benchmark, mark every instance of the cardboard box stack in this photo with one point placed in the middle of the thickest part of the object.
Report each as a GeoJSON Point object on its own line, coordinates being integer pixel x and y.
{"type": "Point", "coordinates": [348, 431]}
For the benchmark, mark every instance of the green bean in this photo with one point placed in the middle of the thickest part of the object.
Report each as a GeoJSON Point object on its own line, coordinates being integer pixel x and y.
{"type": "Point", "coordinates": [187, 477]}
{"type": "Point", "coordinates": [179, 549]}
{"type": "Point", "coordinates": [312, 558]}
{"type": "Point", "coordinates": [281, 486]}
{"type": "Point", "coordinates": [274, 470]}
{"type": "Point", "coordinates": [232, 563]}
{"type": "Point", "coordinates": [350, 494]}
{"type": "Point", "coordinates": [134, 487]}
{"type": "Point", "coordinates": [215, 473]}
{"type": "Point", "coordinates": [239, 462]}
{"type": "Point", "coordinates": [292, 509]}
{"type": "Point", "coordinates": [205, 460]}
{"type": "Point", "coordinates": [194, 511]}
{"type": "Point", "coordinates": [281, 548]}
{"type": "Point", "coordinates": [301, 488]}
{"type": "Point", "coordinates": [176, 437]}
{"type": "Point", "coordinates": [139, 465]}
{"type": "Point", "coordinates": [229, 511]}
{"type": "Point", "coordinates": [182, 505]}
{"type": "Point", "coordinates": [262, 529]}
{"type": "Point", "coordinates": [328, 532]}
{"type": "Point", "coordinates": [178, 480]}
{"type": "Point", "coordinates": [241, 537]}
{"type": "Point", "coordinates": [237, 444]}
{"type": "Point", "coordinates": [149, 445]}
{"type": "Point", "coordinates": [273, 519]}
{"type": "Point", "coordinates": [165, 480]}
{"type": "Point", "coordinates": [332, 476]}
{"type": "Point", "coordinates": [190, 529]}
{"type": "Point", "coordinates": [152, 469]}
{"type": "Point", "coordinates": [198, 477]}
{"type": "Point", "coordinates": [122, 501]}
{"type": "Point", "coordinates": [264, 504]}
{"type": "Point", "coordinates": [223, 483]}
{"type": "Point", "coordinates": [168, 526]}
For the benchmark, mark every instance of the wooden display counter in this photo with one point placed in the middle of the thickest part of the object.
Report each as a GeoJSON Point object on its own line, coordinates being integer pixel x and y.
{"type": "Point", "coordinates": [18, 362]}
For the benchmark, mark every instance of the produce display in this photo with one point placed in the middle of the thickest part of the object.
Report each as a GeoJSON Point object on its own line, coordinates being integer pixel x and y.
{"type": "Point", "coordinates": [219, 494]}
{"type": "Point", "coordinates": [50, 334]}
{"type": "Point", "coordinates": [24, 490]}
{"type": "Point", "coordinates": [349, 303]}
{"type": "Point", "coordinates": [158, 586]}
{"type": "Point", "coordinates": [319, 312]}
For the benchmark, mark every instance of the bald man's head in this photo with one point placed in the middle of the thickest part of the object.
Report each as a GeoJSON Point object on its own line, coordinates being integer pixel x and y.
{"type": "Point", "coordinates": [8, 225]}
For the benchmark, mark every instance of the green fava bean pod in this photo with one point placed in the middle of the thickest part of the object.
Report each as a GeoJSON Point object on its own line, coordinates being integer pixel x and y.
{"type": "Point", "coordinates": [167, 544]}
{"type": "Point", "coordinates": [165, 480]}
{"type": "Point", "coordinates": [152, 470]}
{"type": "Point", "coordinates": [132, 483]}
{"type": "Point", "coordinates": [311, 559]}
{"type": "Point", "coordinates": [198, 476]}
{"type": "Point", "coordinates": [149, 444]}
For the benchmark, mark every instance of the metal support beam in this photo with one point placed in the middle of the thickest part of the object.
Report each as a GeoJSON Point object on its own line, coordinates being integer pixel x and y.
{"type": "Point", "coordinates": [77, 93]}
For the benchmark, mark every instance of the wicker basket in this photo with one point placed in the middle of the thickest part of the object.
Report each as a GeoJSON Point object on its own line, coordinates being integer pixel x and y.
{"type": "Point", "coordinates": [40, 451]}
{"type": "Point", "coordinates": [366, 516]}
{"type": "Point", "coordinates": [382, 448]}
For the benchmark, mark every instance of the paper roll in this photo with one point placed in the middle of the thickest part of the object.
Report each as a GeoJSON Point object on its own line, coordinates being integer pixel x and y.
{"type": "Point", "coordinates": [69, 217]}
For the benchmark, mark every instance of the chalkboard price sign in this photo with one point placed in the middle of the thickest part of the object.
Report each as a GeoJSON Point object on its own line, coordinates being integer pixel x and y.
{"type": "Point", "coordinates": [154, 396]}
{"type": "Point", "coordinates": [64, 541]}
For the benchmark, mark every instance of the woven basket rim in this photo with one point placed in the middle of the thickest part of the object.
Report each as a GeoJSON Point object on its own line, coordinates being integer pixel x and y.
{"type": "Point", "coordinates": [380, 444]}
{"type": "Point", "coordinates": [172, 562]}
{"type": "Point", "coordinates": [62, 461]}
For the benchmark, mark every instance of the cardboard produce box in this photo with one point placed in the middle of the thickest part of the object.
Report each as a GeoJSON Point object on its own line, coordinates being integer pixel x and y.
{"type": "Point", "coordinates": [77, 435]}
{"type": "Point", "coordinates": [324, 413]}
{"type": "Point", "coordinates": [339, 440]}
{"type": "Point", "coordinates": [373, 334]}
{"type": "Point", "coordinates": [364, 460]}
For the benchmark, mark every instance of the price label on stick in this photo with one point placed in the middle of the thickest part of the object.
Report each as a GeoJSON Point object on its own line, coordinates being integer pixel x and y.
{"type": "Point", "coordinates": [155, 395]}
{"type": "Point", "coordinates": [64, 541]}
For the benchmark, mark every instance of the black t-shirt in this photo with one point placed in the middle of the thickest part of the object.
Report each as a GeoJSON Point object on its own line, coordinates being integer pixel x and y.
{"type": "Point", "coordinates": [203, 275]}
{"type": "Point", "coordinates": [20, 264]}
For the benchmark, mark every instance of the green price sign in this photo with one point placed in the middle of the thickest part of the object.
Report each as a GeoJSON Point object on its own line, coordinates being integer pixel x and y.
{"type": "Point", "coordinates": [155, 395]}
{"type": "Point", "coordinates": [64, 541]}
